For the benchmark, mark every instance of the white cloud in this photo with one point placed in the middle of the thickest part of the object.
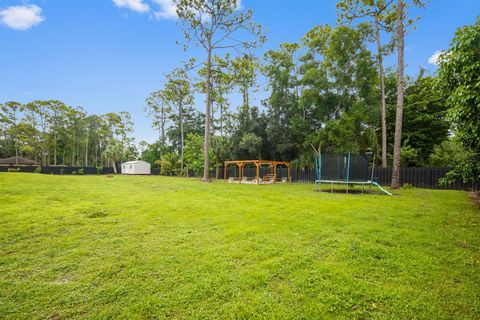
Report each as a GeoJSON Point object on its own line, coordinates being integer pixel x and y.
{"type": "Point", "coordinates": [168, 9]}
{"type": "Point", "coordinates": [434, 58]}
{"type": "Point", "coordinates": [134, 5]}
{"type": "Point", "coordinates": [21, 17]}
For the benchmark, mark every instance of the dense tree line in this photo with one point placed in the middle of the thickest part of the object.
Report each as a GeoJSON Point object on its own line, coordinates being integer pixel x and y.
{"type": "Point", "coordinates": [53, 133]}
{"type": "Point", "coordinates": [323, 91]}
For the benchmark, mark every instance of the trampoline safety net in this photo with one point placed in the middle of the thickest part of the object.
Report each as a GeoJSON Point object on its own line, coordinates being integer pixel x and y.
{"type": "Point", "coordinates": [336, 167]}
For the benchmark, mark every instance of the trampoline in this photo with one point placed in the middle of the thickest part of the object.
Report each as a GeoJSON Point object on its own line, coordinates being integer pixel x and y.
{"type": "Point", "coordinates": [344, 169]}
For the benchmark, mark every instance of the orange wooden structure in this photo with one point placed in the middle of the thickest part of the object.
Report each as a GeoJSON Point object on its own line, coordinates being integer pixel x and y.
{"type": "Point", "coordinates": [258, 163]}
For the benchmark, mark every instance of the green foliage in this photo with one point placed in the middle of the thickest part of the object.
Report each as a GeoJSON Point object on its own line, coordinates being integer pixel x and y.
{"type": "Point", "coordinates": [449, 153]}
{"type": "Point", "coordinates": [425, 122]}
{"type": "Point", "coordinates": [193, 154]}
{"type": "Point", "coordinates": [169, 164]}
{"type": "Point", "coordinates": [99, 170]}
{"type": "Point", "coordinates": [409, 156]}
{"type": "Point", "coordinates": [53, 133]}
{"type": "Point", "coordinates": [323, 91]}
{"type": "Point", "coordinates": [458, 75]}
{"type": "Point", "coordinates": [38, 170]}
{"type": "Point", "coordinates": [81, 171]}
{"type": "Point", "coordinates": [14, 170]}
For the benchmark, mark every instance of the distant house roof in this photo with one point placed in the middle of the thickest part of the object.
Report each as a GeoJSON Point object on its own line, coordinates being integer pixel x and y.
{"type": "Point", "coordinates": [17, 160]}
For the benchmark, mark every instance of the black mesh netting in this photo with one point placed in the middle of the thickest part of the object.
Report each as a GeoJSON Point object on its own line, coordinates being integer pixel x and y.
{"type": "Point", "coordinates": [335, 167]}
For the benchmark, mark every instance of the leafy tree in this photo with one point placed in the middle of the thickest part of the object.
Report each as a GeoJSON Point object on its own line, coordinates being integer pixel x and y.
{"type": "Point", "coordinates": [249, 140]}
{"type": "Point", "coordinates": [177, 94]}
{"type": "Point", "coordinates": [194, 159]}
{"type": "Point", "coordinates": [400, 38]}
{"type": "Point", "coordinates": [56, 111]}
{"type": "Point", "coordinates": [450, 153]}
{"type": "Point", "coordinates": [458, 75]}
{"type": "Point", "coordinates": [283, 81]}
{"type": "Point", "coordinates": [328, 98]}
{"type": "Point", "coordinates": [212, 25]}
{"type": "Point", "coordinates": [61, 134]}
{"type": "Point", "coordinates": [9, 116]}
{"type": "Point", "coordinates": [244, 76]}
{"type": "Point", "coordinates": [143, 146]}
{"type": "Point", "coordinates": [169, 164]}
{"type": "Point", "coordinates": [158, 111]}
{"type": "Point", "coordinates": [382, 13]}
{"type": "Point", "coordinates": [425, 121]}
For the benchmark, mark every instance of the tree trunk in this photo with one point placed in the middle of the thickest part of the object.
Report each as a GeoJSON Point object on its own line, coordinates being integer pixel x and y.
{"type": "Point", "coordinates": [400, 91]}
{"type": "Point", "coordinates": [16, 135]}
{"type": "Point", "coordinates": [114, 166]}
{"type": "Point", "coordinates": [221, 120]}
{"type": "Point", "coordinates": [162, 130]}
{"type": "Point", "coordinates": [206, 143]}
{"type": "Point", "coordinates": [217, 162]}
{"type": "Point", "coordinates": [86, 151]}
{"type": "Point", "coordinates": [44, 146]}
{"type": "Point", "coordinates": [182, 142]}
{"type": "Point", "coordinates": [382, 92]}
{"type": "Point", "coordinates": [55, 138]}
{"type": "Point", "coordinates": [73, 149]}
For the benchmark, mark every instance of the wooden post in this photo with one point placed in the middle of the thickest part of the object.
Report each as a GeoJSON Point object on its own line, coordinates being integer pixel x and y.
{"type": "Point", "coordinates": [288, 174]}
{"type": "Point", "coordinates": [258, 171]}
{"type": "Point", "coordinates": [275, 172]}
{"type": "Point", "coordinates": [224, 172]}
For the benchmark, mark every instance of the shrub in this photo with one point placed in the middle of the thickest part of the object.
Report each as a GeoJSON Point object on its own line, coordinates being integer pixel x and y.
{"type": "Point", "coordinates": [81, 171]}
{"type": "Point", "coordinates": [38, 170]}
{"type": "Point", "coordinates": [74, 172]}
{"type": "Point", "coordinates": [99, 170]}
{"type": "Point", "coordinates": [14, 170]}
{"type": "Point", "coordinates": [62, 171]}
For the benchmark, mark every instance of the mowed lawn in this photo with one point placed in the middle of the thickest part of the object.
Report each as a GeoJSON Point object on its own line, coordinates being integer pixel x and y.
{"type": "Point", "coordinates": [76, 247]}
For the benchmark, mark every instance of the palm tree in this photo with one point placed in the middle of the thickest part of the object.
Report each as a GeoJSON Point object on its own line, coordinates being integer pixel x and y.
{"type": "Point", "coordinates": [169, 164]}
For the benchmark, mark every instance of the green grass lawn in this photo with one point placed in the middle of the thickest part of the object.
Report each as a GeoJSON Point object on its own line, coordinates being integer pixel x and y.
{"type": "Point", "coordinates": [156, 247]}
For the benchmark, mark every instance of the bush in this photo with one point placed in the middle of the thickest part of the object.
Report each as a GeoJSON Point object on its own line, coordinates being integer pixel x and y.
{"type": "Point", "coordinates": [38, 170]}
{"type": "Point", "coordinates": [74, 172]}
{"type": "Point", "coordinates": [14, 170]}
{"type": "Point", "coordinates": [99, 170]}
{"type": "Point", "coordinates": [62, 171]}
{"type": "Point", "coordinates": [81, 171]}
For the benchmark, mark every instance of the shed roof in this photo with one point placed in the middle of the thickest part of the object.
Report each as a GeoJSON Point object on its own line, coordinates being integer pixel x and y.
{"type": "Point", "coordinates": [135, 161]}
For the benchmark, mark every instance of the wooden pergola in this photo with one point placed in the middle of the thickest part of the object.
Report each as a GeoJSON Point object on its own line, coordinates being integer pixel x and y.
{"type": "Point", "coordinates": [257, 163]}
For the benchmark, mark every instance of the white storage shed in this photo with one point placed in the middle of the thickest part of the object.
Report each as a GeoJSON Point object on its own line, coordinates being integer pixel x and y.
{"type": "Point", "coordinates": [136, 167]}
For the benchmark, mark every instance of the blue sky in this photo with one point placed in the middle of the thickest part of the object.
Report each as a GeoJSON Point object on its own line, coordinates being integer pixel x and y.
{"type": "Point", "coordinates": [108, 55]}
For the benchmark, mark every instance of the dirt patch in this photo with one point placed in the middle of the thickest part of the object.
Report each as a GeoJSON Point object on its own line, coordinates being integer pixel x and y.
{"type": "Point", "coordinates": [350, 191]}
{"type": "Point", "coordinates": [94, 213]}
{"type": "Point", "coordinates": [475, 198]}
{"type": "Point", "coordinates": [64, 279]}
